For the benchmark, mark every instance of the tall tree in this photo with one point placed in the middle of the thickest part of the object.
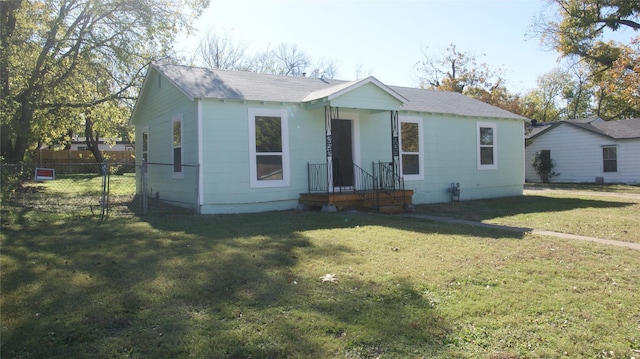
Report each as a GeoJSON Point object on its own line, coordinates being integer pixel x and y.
{"type": "Point", "coordinates": [49, 47]}
{"type": "Point", "coordinates": [581, 25]}
{"type": "Point", "coordinates": [546, 97]}
{"type": "Point", "coordinates": [607, 69]}
{"type": "Point", "coordinates": [219, 50]}
{"type": "Point", "coordinates": [455, 71]}
{"type": "Point", "coordinates": [619, 87]}
{"type": "Point", "coordinates": [459, 71]}
{"type": "Point", "coordinates": [291, 59]}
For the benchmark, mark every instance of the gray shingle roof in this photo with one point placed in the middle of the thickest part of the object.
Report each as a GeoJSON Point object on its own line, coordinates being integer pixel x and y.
{"type": "Point", "coordinates": [621, 129]}
{"type": "Point", "coordinates": [197, 82]}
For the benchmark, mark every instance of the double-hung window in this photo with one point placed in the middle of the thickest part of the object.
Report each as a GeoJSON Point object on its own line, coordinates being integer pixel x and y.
{"type": "Point", "coordinates": [610, 159]}
{"type": "Point", "coordinates": [176, 125]}
{"type": "Point", "coordinates": [411, 148]}
{"type": "Point", "coordinates": [487, 146]}
{"type": "Point", "coordinates": [268, 148]}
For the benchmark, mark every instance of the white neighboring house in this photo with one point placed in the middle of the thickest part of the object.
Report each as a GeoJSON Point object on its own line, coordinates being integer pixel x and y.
{"type": "Point", "coordinates": [587, 150]}
{"type": "Point", "coordinates": [79, 144]}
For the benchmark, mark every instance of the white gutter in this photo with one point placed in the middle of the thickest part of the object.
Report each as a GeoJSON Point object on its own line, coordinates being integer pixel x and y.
{"type": "Point", "coordinates": [200, 158]}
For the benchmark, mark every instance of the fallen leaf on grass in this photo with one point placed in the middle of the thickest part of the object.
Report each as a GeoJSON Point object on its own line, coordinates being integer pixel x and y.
{"type": "Point", "coordinates": [329, 277]}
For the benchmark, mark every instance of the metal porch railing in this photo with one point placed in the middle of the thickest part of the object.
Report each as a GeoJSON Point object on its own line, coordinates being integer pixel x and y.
{"type": "Point", "coordinates": [390, 181]}
{"type": "Point", "coordinates": [385, 178]}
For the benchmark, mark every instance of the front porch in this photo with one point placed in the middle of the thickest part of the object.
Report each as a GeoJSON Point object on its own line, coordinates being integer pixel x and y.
{"type": "Point", "coordinates": [380, 190]}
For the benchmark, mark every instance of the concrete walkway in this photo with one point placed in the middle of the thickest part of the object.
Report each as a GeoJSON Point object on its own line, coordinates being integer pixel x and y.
{"type": "Point", "coordinates": [541, 232]}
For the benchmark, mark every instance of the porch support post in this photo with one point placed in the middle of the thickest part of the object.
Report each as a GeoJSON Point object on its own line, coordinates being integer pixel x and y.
{"type": "Point", "coordinates": [395, 140]}
{"type": "Point", "coordinates": [330, 113]}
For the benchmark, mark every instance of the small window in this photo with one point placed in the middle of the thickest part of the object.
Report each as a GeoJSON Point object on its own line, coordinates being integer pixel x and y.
{"type": "Point", "coordinates": [177, 145]}
{"type": "Point", "coordinates": [145, 146]}
{"type": "Point", "coordinates": [610, 159]}
{"type": "Point", "coordinates": [487, 146]}
{"type": "Point", "coordinates": [411, 152]}
{"type": "Point", "coordinates": [268, 148]}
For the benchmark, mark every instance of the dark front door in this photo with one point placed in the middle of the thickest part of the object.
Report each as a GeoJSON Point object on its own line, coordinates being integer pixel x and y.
{"type": "Point", "coordinates": [342, 153]}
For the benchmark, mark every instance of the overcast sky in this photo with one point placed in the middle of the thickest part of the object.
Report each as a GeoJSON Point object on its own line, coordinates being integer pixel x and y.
{"type": "Point", "coordinates": [387, 37]}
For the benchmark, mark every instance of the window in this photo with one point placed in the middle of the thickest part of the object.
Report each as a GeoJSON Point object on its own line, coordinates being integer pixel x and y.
{"type": "Point", "coordinates": [610, 159]}
{"type": "Point", "coordinates": [177, 145]}
{"type": "Point", "coordinates": [269, 147]}
{"type": "Point", "coordinates": [411, 148]}
{"type": "Point", "coordinates": [145, 146]}
{"type": "Point", "coordinates": [487, 146]}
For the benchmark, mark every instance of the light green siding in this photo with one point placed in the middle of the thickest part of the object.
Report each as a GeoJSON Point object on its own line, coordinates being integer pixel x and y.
{"type": "Point", "coordinates": [155, 110]}
{"type": "Point", "coordinates": [375, 138]}
{"type": "Point", "coordinates": [368, 96]}
{"type": "Point", "coordinates": [450, 156]}
{"type": "Point", "coordinates": [225, 165]}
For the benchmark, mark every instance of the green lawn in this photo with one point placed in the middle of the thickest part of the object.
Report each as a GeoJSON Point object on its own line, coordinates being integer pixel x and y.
{"type": "Point", "coordinates": [249, 286]}
{"type": "Point", "coordinates": [589, 210]}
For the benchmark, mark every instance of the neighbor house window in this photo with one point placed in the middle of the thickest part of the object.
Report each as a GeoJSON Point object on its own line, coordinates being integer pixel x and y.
{"type": "Point", "coordinates": [177, 145]}
{"type": "Point", "coordinates": [269, 148]}
{"type": "Point", "coordinates": [145, 146]}
{"type": "Point", "coordinates": [411, 148]}
{"type": "Point", "coordinates": [487, 146]}
{"type": "Point", "coordinates": [610, 159]}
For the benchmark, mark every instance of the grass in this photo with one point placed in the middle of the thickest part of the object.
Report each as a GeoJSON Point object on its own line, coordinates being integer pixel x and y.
{"type": "Point", "coordinates": [573, 209]}
{"type": "Point", "coordinates": [248, 286]}
{"type": "Point", "coordinates": [68, 196]}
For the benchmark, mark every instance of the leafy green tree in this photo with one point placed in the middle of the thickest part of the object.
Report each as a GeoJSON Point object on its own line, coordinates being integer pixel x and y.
{"type": "Point", "coordinates": [581, 25]}
{"type": "Point", "coordinates": [455, 71]}
{"type": "Point", "coordinates": [554, 89]}
{"type": "Point", "coordinates": [607, 83]}
{"type": "Point", "coordinates": [618, 88]}
{"type": "Point", "coordinates": [461, 72]}
{"type": "Point", "coordinates": [64, 58]}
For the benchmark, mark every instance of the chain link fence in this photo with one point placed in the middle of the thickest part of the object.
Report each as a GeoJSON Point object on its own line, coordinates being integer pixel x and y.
{"type": "Point", "coordinates": [97, 190]}
{"type": "Point", "coordinates": [164, 187]}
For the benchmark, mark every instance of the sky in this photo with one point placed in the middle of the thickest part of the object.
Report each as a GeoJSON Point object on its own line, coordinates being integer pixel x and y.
{"type": "Point", "coordinates": [386, 38]}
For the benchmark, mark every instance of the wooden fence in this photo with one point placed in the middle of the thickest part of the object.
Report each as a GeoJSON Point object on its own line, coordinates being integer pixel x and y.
{"type": "Point", "coordinates": [61, 158]}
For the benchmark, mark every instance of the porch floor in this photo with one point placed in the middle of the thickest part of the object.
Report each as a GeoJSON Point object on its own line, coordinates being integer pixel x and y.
{"type": "Point", "coordinates": [351, 200]}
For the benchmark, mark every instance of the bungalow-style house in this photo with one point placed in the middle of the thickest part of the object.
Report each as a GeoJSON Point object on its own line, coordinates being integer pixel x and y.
{"type": "Point", "coordinates": [587, 150]}
{"type": "Point", "coordinates": [267, 142]}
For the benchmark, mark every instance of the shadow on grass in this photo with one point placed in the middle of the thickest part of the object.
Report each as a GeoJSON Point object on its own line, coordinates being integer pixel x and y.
{"type": "Point", "coordinates": [479, 210]}
{"type": "Point", "coordinates": [204, 286]}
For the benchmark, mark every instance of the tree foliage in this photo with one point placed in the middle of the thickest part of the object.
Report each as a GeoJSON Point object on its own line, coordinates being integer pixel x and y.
{"type": "Point", "coordinates": [581, 24]}
{"type": "Point", "coordinates": [606, 72]}
{"type": "Point", "coordinates": [456, 71]}
{"type": "Point", "coordinates": [459, 71]}
{"type": "Point", "coordinates": [65, 61]}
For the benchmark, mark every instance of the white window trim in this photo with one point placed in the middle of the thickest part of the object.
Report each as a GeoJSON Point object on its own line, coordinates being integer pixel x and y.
{"type": "Point", "coordinates": [418, 120]}
{"type": "Point", "coordinates": [617, 158]}
{"type": "Point", "coordinates": [174, 119]}
{"type": "Point", "coordinates": [285, 181]}
{"type": "Point", "coordinates": [493, 126]}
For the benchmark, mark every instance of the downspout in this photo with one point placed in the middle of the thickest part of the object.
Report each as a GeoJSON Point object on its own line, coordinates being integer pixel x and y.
{"type": "Point", "coordinates": [200, 159]}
